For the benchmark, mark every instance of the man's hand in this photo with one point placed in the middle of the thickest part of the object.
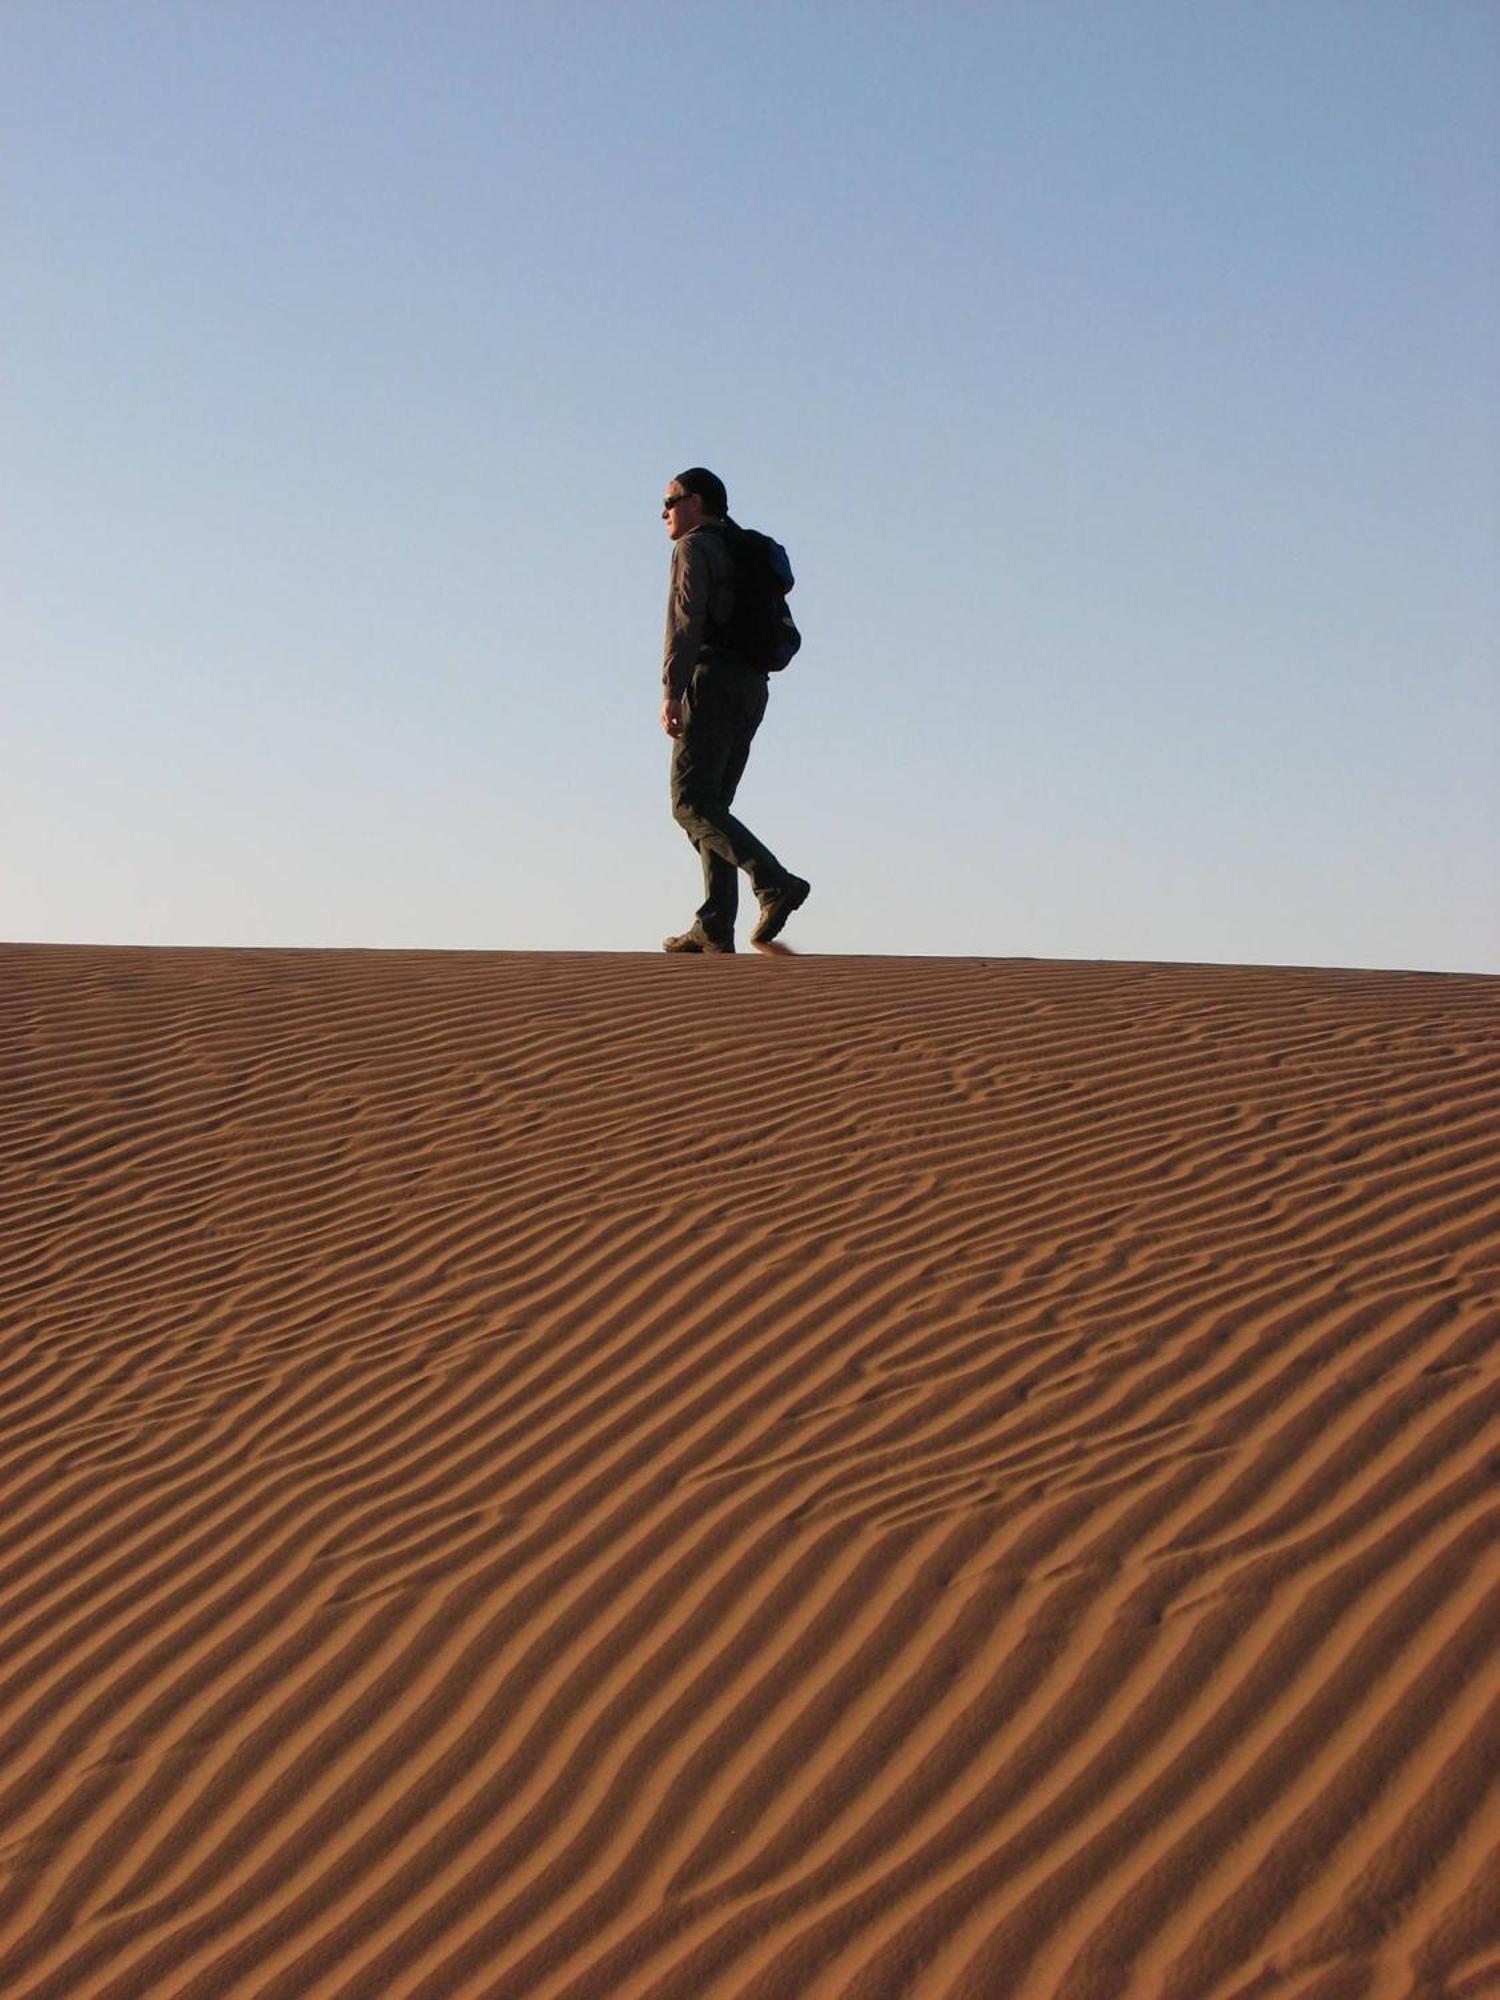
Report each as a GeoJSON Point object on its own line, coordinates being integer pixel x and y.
{"type": "Point", "coordinates": [671, 715]}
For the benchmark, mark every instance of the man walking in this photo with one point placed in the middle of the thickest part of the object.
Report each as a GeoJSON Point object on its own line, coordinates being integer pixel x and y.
{"type": "Point", "coordinates": [713, 700]}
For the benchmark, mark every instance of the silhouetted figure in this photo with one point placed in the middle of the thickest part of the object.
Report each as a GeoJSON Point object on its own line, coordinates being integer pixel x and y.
{"type": "Point", "coordinates": [714, 695]}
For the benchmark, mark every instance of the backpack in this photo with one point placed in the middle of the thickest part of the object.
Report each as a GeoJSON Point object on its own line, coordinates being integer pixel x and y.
{"type": "Point", "coordinates": [760, 629]}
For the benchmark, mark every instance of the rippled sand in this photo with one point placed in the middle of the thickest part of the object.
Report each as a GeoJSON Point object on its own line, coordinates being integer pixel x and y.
{"type": "Point", "coordinates": [606, 1476]}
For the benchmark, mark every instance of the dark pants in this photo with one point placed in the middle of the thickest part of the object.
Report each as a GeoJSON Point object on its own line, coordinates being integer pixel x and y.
{"type": "Point", "coordinates": [721, 712]}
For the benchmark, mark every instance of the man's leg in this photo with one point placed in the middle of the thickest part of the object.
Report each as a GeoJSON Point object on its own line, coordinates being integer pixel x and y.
{"type": "Point", "coordinates": [782, 894]}
{"type": "Point", "coordinates": [721, 714]}
{"type": "Point", "coordinates": [721, 876]}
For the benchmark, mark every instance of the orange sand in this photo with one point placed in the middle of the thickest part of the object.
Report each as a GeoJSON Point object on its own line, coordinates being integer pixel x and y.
{"type": "Point", "coordinates": [612, 1476]}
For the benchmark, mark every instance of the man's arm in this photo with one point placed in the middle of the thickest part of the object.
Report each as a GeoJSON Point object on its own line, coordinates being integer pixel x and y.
{"type": "Point", "coordinates": [687, 616]}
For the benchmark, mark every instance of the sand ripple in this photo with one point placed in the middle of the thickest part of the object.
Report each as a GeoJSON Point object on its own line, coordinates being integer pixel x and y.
{"type": "Point", "coordinates": [601, 1476]}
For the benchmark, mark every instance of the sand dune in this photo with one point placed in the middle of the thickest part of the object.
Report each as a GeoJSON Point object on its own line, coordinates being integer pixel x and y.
{"type": "Point", "coordinates": [604, 1476]}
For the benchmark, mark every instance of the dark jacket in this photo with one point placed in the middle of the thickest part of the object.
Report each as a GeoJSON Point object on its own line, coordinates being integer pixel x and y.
{"type": "Point", "coordinates": [700, 596]}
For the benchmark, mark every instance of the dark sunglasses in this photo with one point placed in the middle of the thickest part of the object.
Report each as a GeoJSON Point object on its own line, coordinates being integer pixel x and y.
{"type": "Point", "coordinates": [674, 500]}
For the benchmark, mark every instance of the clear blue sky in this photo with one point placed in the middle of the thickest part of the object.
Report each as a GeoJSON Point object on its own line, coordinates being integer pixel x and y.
{"type": "Point", "coordinates": [1122, 377]}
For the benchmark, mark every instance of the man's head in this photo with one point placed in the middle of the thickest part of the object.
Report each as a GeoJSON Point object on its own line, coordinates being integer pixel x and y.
{"type": "Point", "coordinates": [694, 496]}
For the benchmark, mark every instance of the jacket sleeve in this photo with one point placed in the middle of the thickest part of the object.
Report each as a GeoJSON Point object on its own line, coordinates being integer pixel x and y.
{"type": "Point", "coordinates": [687, 614]}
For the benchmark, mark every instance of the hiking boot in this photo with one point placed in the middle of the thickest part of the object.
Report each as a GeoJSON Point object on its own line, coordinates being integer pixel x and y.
{"type": "Point", "coordinates": [696, 940]}
{"type": "Point", "coordinates": [778, 906]}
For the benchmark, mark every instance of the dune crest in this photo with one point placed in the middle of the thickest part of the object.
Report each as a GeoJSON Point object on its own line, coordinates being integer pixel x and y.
{"type": "Point", "coordinates": [587, 1476]}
